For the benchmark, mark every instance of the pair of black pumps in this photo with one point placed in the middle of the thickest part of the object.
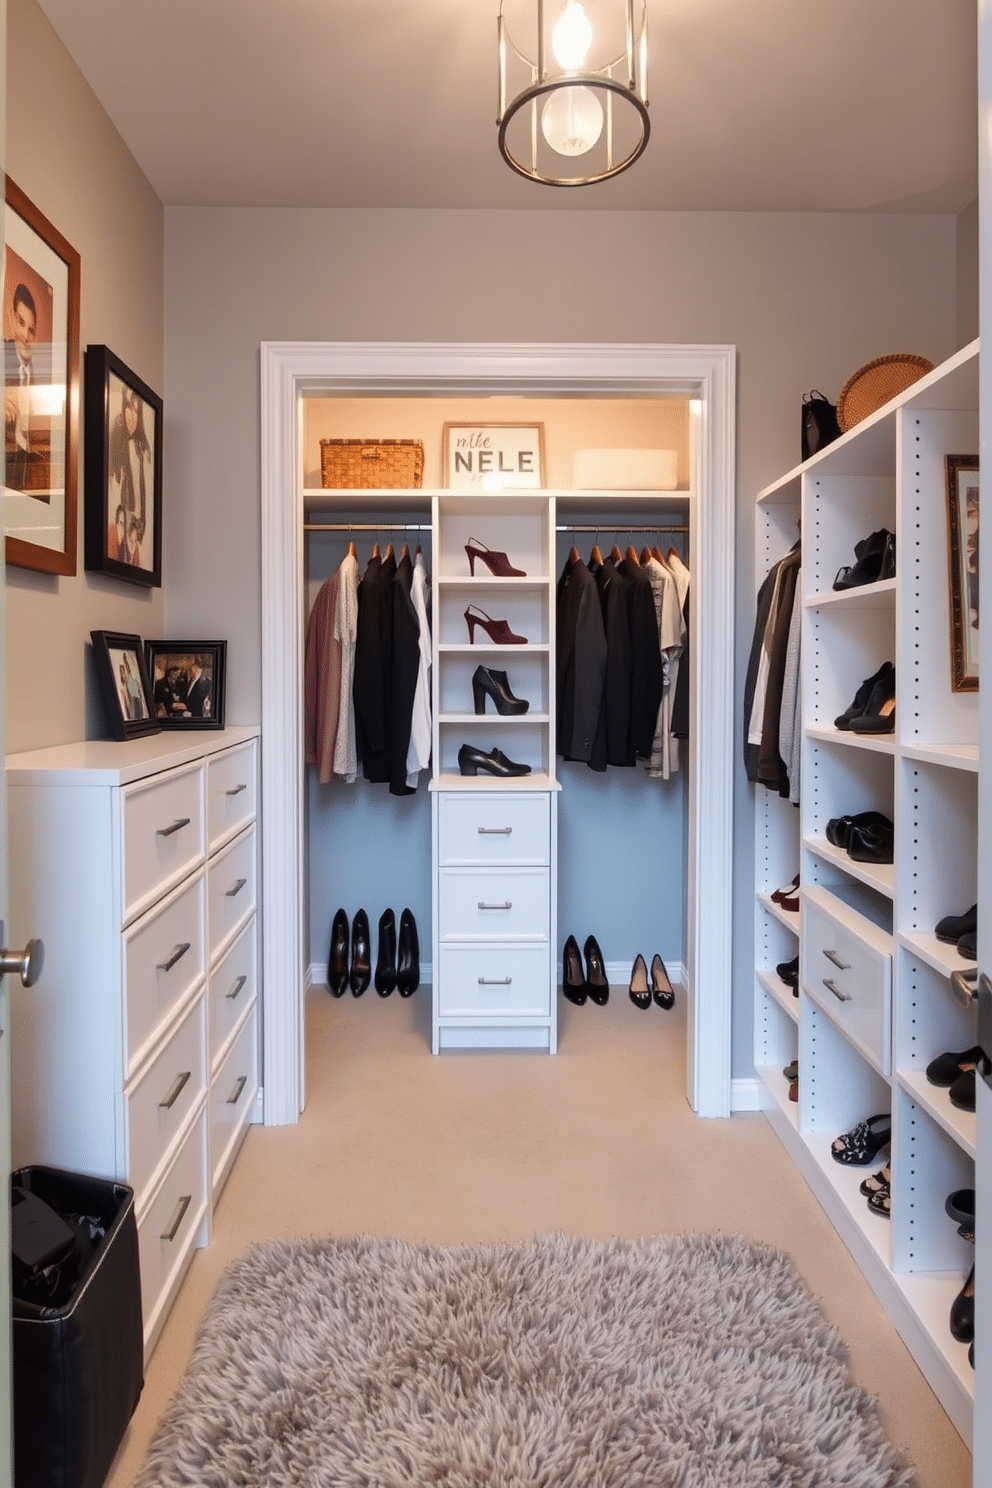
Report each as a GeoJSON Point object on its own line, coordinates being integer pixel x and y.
{"type": "Point", "coordinates": [397, 967]}
{"type": "Point", "coordinates": [873, 710]}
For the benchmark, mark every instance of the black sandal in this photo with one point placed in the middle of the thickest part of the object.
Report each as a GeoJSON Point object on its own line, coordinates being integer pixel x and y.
{"type": "Point", "coordinates": [859, 1146]}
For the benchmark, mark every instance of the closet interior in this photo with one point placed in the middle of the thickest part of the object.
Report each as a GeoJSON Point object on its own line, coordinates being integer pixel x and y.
{"type": "Point", "coordinates": [599, 852]}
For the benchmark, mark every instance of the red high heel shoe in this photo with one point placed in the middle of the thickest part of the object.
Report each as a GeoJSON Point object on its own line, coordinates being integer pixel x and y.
{"type": "Point", "coordinates": [497, 630]}
{"type": "Point", "coordinates": [496, 562]}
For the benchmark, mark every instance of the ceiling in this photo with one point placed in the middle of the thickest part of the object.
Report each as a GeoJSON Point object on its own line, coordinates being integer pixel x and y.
{"type": "Point", "coordinates": [767, 105]}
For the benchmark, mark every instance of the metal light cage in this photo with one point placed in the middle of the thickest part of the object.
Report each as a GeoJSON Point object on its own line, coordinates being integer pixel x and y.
{"type": "Point", "coordinates": [621, 84]}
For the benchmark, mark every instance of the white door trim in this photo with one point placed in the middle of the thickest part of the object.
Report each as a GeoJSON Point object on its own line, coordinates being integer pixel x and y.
{"type": "Point", "coordinates": [707, 375]}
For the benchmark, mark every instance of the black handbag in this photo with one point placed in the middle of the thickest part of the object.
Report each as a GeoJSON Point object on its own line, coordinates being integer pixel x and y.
{"type": "Point", "coordinates": [820, 426]}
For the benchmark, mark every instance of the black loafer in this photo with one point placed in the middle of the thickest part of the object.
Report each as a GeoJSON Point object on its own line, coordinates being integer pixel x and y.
{"type": "Point", "coordinates": [951, 928]}
{"type": "Point", "coordinates": [839, 828]}
{"type": "Point", "coordinates": [471, 761]}
{"type": "Point", "coordinates": [962, 1092]}
{"type": "Point", "coordinates": [872, 844]}
{"type": "Point", "coordinates": [946, 1068]}
{"type": "Point", "coordinates": [967, 946]}
{"type": "Point", "coordinates": [962, 1318]}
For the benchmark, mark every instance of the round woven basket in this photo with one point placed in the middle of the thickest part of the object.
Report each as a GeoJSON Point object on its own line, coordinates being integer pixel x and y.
{"type": "Point", "coordinates": [875, 383]}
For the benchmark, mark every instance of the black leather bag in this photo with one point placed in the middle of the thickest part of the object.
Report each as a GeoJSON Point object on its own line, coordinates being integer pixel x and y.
{"type": "Point", "coordinates": [820, 426]}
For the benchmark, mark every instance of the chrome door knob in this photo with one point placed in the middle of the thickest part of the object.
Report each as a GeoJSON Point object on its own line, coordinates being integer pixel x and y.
{"type": "Point", "coordinates": [26, 964]}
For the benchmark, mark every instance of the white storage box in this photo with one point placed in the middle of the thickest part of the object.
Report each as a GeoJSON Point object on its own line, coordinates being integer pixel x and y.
{"type": "Point", "coordinates": [625, 470]}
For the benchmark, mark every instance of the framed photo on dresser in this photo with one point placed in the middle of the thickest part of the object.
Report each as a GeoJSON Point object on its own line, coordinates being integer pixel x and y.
{"type": "Point", "coordinates": [120, 667]}
{"type": "Point", "coordinates": [187, 682]}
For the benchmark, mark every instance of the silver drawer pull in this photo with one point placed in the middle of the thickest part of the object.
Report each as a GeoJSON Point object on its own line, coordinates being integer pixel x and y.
{"type": "Point", "coordinates": [178, 1217]}
{"type": "Point", "coordinates": [236, 988]}
{"type": "Point", "coordinates": [236, 888]}
{"type": "Point", "coordinates": [177, 826]}
{"type": "Point", "coordinates": [235, 790]}
{"type": "Point", "coordinates": [177, 955]}
{"type": "Point", "coordinates": [239, 1085]}
{"type": "Point", "coordinates": [178, 1086]}
{"type": "Point", "coordinates": [964, 985]}
{"type": "Point", "coordinates": [495, 981]}
{"type": "Point", "coordinates": [495, 831]}
{"type": "Point", "coordinates": [833, 956]}
{"type": "Point", "coordinates": [507, 904]}
{"type": "Point", "coordinates": [833, 987]}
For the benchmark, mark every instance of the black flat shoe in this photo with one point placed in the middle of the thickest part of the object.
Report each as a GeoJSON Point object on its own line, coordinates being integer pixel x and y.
{"type": "Point", "coordinates": [361, 953]}
{"type": "Point", "coordinates": [385, 966]}
{"type": "Point", "coordinates": [872, 844]}
{"type": "Point", "coordinates": [408, 961]}
{"type": "Point", "coordinates": [858, 1147]}
{"type": "Point", "coordinates": [951, 928]}
{"type": "Point", "coordinates": [788, 972]}
{"type": "Point", "coordinates": [661, 988]}
{"type": "Point", "coordinates": [640, 992]}
{"type": "Point", "coordinates": [839, 828]}
{"type": "Point", "coordinates": [946, 1068]}
{"type": "Point", "coordinates": [487, 680]}
{"type": "Point", "coordinates": [843, 720]}
{"type": "Point", "coordinates": [337, 960]}
{"type": "Point", "coordinates": [597, 986]}
{"type": "Point", "coordinates": [879, 715]}
{"type": "Point", "coordinates": [962, 1092]}
{"type": "Point", "coordinates": [471, 761]}
{"type": "Point", "coordinates": [573, 980]}
{"type": "Point", "coordinates": [962, 1317]}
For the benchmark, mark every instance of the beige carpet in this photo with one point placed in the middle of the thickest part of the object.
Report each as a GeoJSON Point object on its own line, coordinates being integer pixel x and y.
{"type": "Point", "coordinates": [597, 1142]}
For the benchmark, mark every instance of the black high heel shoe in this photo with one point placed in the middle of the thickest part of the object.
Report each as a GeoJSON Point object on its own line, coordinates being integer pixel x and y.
{"type": "Point", "coordinates": [597, 986]}
{"type": "Point", "coordinates": [385, 966]}
{"type": "Point", "coordinates": [361, 953]}
{"type": "Point", "coordinates": [488, 680]}
{"type": "Point", "coordinates": [573, 981]}
{"type": "Point", "coordinates": [861, 697]}
{"type": "Point", "coordinates": [408, 961]}
{"type": "Point", "coordinates": [858, 1147]}
{"type": "Point", "coordinates": [640, 992]}
{"type": "Point", "coordinates": [661, 988]}
{"type": "Point", "coordinates": [876, 559]}
{"type": "Point", "coordinates": [879, 716]}
{"type": "Point", "coordinates": [337, 961]}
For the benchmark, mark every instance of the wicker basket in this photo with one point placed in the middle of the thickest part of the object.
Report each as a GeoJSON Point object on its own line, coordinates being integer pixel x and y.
{"type": "Point", "coordinates": [372, 463]}
{"type": "Point", "coordinates": [875, 383]}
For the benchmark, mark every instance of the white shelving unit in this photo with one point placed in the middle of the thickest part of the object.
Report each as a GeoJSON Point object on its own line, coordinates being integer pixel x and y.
{"type": "Point", "coordinates": [868, 1053]}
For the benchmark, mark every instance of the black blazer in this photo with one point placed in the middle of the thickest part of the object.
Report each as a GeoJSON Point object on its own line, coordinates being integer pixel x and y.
{"type": "Point", "coordinates": [646, 671]}
{"type": "Point", "coordinates": [580, 663]}
{"type": "Point", "coordinates": [373, 684]}
{"type": "Point", "coordinates": [613, 742]}
{"type": "Point", "coordinates": [406, 665]}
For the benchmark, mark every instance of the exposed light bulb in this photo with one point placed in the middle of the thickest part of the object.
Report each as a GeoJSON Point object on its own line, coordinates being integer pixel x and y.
{"type": "Point", "coordinates": [571, 37]}
{"type": "Point", "coordinates": [572, 120]}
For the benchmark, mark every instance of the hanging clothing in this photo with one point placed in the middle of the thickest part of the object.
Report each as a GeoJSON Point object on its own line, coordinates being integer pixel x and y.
{"type": "Point", "coordinates": [406, 670]}
{"type": "Point", "coordinates": [580, 664]}
{"type": "Point", "coordinates": [345, 636]}
{"type": "Point", "coordinates": [680, 664]}
{"type": "Point", "coordinates": [373, 686]}
{"type": "Point", "coordinates": [763, 688]}
{"type": "Point", "coordinates": [418, 755]}
{"type": "Point", "coordinates": [790, 728]}
{"type": "Point", "coordinates": [646, 679]}
{"type": "Point", "coordinates": [664, 757]}
{"type": "Point", "coordinates": [612, 744]}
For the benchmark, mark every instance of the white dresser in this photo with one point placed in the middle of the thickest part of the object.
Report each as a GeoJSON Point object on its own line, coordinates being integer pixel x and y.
{"type": "Point", "coordinates": [135, 1056]}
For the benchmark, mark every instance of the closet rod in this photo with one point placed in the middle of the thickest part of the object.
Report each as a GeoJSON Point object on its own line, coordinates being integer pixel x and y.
{"type": "Point", "coordinates": [617, 527]}
{"type": "Point", "coordinates": [368, 527]}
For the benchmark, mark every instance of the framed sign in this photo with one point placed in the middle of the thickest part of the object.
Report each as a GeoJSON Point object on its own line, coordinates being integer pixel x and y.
{"type": "Point", "coordinates": [493, 457]}
{"type": "Point", "coordinates": [120, 666]}
{"type": "Point", "coordinates": [962, 531]}
{"type": "Point", "coordinates": [123, 425]}
{"type": "Point", "coordinates": [41, 389]}
{"type": "Point", "coordinates": [187, 682]}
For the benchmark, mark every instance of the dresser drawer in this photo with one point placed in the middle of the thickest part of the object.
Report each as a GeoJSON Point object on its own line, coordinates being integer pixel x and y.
{"type": "Point", "coordinates": [164, 956]}
{"type": "Point", "coordinates": [231, 889]}
{"type": "Point", "coordinates": [162, 834]}
{"type": "Point", "coordinates": [233, 986]}
{"type": "Point", "coordinates": [231, 792]}
{"type": "Point", "coordinates": [492, 980]}
{"type": "Point", "coordinates": [846, 967]}
{"type": "Point", "coordinates": [167, 1231]}
{"type": "Point", "coordinates": [232, 1096]}
{"type": "Point", "coordinates": [494, 903]}
{"type": "Point", "coordinates": [494, 827]}
{"type": "Point", "coordinates": [159, 1104]}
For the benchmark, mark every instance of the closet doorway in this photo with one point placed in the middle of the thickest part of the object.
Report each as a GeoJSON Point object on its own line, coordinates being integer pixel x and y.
{"type": "Point", "coordinates": [293, 371]}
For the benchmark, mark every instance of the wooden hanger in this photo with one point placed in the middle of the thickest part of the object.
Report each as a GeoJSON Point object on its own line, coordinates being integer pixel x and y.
{"type": "Point", "coordinates": [375, 550]}
{"type": "Point", "coordinates": [405, 553]}
{"type": "Point", "coordinates": [632, 554]}
{"type": "Point", "coordinates": [389, 552]}
{"type": "Point", "coordinates": [646, 555]}
{"type": "Point", "coordinates": [672, 553]}
{"type": "Point", "coordinates": [595, 556]}
{"type": "Point", "coordinates": [616, 554]}
{"type": "Point", "coordinates": [574, 556]}
{"type": "Point", "coordinates": [659, 555]}
{"type": "Point", "coordinates": [352, 550]}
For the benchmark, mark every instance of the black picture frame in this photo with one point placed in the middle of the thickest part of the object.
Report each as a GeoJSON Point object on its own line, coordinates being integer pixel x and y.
{"type": "Point", "coordinates": [120, 665]}
{"type": "Point", "coordinates": [123, 434]}
{"type": "Point", "coordinates": [202, 666]}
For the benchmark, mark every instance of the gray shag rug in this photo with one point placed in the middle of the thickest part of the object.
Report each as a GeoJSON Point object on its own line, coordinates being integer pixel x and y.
{"type": "Point", "coordinates": [689, 1361]}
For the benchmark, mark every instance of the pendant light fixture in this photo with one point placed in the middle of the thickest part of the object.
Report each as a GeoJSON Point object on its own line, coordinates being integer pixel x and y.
{"type": "Point", "coordinates": [577, 108]}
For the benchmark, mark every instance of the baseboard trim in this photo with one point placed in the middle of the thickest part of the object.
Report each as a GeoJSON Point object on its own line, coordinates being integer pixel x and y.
{"type": "Point", "coordinates": [746, 1095]}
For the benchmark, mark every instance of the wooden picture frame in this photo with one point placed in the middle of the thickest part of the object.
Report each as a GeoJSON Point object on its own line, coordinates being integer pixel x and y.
{"type": "Point", "coordinates": [123, 425]}
{"type": "Point", "coordinates": [493, 457]}
{"type": "Point", "coordinates": [187, 680]}
{"type": "Point", "coordinates": [120, 665]}
{"type": "Point", "coordinates": [41, 389]}
{"type": "Point", "coordinates": [963, 552]}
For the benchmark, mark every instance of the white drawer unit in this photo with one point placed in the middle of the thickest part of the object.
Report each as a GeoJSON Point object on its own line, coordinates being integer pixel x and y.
{"type": "Point", "coordinates": [846, 968]}
{"type": "Point", "coordinates": [493, 827]}
{"type": "Point", "coordinates": [136, 868]}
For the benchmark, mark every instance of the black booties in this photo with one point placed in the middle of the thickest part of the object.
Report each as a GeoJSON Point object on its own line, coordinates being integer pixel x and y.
{"type": "Point", "coordinates": [408, 964]}
{"type": "Point", "coordinates": [337, 961]}
{"type": "Point", "coordinates": [361, 953]}
{"type": "Point", "coordinates": [385, 966]}
{"type": "Point", "coordinates": [487, 679]}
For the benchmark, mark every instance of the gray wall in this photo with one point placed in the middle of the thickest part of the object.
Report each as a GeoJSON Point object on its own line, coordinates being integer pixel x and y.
{"type": "Point", "coordinates": [806, 299]}
{"type": "Point", "coordinates": [73, 165]}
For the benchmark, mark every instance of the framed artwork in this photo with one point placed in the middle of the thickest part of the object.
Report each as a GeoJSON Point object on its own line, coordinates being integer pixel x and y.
{"type": "Point", "coordinates": [41, 389]}
{"type": "Point", "coordinates": [120, 666]}
{"type": "Point", "coordinates": [493, 457]}
{"type": "Point", "coordinates": [123, 425]}
{"type": "Point", "coordinates": [187, 682]}
{"type": "Point", "coordinates": [962, 529]}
